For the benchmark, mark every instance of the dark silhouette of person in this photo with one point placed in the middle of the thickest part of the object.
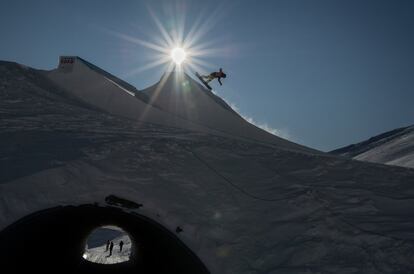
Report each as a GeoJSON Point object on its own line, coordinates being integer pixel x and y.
{"type": "Point", "coordinates": [111, 246]}
{"type": "Point", "coordinates": [107, 246]}
{"type": "Point", "coordinates": [217, 74]}
{"type": "Point", "coordinates": [121, 244]}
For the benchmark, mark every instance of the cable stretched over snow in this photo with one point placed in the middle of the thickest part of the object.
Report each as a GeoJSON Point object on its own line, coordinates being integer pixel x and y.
{"type": "Point", "coordinates": [236, 186]}
{"type": "Point", "coordinates": [318, 199]}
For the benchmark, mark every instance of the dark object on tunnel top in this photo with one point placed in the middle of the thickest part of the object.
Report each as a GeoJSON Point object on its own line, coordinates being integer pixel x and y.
{"type": "Point", "coordinates": [178, 229]}
{"type": "Point", "coordinates": [117, 201]}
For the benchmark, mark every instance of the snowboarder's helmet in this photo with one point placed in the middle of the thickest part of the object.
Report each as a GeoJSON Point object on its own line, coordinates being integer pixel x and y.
{"type": "Point", "coordinates": [224, 75]}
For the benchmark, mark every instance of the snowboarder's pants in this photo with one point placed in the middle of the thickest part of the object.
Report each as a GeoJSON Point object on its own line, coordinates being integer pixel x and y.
{"type": "Point", "coordinates": [208, 78]}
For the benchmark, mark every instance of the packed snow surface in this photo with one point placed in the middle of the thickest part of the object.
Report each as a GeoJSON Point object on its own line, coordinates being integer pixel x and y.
{"type": "Point", "coordinates": [245, 205]}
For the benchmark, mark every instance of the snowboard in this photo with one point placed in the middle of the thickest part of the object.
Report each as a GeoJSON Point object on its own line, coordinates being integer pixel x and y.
{"type": "Point", "coordinates": [204, 82]}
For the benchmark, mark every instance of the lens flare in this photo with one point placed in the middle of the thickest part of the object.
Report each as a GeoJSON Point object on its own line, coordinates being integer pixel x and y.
{"type": "Point", "coordinates": [174, 48]}
{"type": "Point", "coordinates": [178, 55]}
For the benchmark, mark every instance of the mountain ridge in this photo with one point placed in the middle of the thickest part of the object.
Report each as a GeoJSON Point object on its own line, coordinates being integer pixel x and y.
{"type": "Point", "coordinates": [394, 147]}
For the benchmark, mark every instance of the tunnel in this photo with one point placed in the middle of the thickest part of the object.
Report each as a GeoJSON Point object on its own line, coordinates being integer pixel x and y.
{"type": "Point", "coordinates": [53, 241]}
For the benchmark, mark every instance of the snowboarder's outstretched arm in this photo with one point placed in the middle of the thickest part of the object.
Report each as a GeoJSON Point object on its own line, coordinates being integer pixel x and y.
{"type": "Point", "coordinates": [218, 79]}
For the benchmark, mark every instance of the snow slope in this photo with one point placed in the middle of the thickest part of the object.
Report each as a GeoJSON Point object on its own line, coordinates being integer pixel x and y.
{"type": "Point", "coordinates": [102, 90]}
{"type": "Point", "coordinates": [394, 147]}
{"type": "Point", "coordinates": [177, 100]}
{"type": "Point", "coordinates": [180, 95]}
{"type": "Point", "coordinates": [245, 206]}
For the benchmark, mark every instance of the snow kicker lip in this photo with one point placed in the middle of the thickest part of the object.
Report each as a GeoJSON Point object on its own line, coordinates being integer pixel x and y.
{"type": "Point", "coordinates": [53, 240]}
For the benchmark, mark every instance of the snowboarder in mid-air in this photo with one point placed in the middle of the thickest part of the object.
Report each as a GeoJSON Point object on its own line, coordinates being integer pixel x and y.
{"type": "Point", "coordinates": [217, 74]}
{"type": "Point", "coordinates": [207, 78]}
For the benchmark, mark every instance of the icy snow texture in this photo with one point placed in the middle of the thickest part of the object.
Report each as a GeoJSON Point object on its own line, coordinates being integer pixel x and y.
{"type": "Point", "coordinates": [395, 147]}
{"type": "Point", "coordinates": [245, 206]}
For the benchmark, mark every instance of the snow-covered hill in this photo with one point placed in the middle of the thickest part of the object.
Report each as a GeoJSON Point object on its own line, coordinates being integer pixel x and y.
{"type": "Point", "coordinates": [241, 205]}
{"type": "Point", "coordinates": [177, 100]}
{"type": "Point", "coordinates": [394, 147]}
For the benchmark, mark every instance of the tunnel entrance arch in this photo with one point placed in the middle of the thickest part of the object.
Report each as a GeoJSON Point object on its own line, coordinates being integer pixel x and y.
{"type": "Point", "coordinates": [53, 241]}
{"type": "Point", "coordinates": [109, 245]}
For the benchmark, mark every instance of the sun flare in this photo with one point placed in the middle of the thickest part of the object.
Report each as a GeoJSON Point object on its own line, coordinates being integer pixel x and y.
{"type": "Point", "coordinates": [175, 47]}
{"type": "Point", "coordinates": [178, 55]}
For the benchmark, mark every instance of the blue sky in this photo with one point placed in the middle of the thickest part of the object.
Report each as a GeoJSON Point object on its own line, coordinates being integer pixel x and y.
{"type": "Point", "coordinates": [323, 73]}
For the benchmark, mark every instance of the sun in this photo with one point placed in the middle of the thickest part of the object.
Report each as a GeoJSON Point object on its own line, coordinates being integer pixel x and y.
{"type": "Point", "coordinates": [178, 55]}
{"type": "Point", "coordinates": [176, 47]}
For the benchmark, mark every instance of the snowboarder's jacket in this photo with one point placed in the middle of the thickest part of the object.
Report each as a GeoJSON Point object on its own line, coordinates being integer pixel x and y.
{"type": "Point", "coordinates": [220, 74]}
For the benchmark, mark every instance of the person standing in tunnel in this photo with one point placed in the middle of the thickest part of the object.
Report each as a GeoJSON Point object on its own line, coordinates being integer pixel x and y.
{"type": "Point", "coordinates": [111, 247]}
{"type": "Point", "coordinates": [121, 244]}
{"type": "Point", "coordinates": [107, 246]}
